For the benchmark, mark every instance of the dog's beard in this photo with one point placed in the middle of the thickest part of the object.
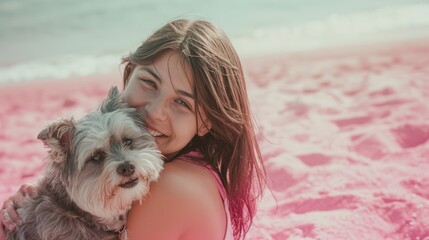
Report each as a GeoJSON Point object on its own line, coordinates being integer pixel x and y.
{"type": "Point", "coordinates": [97, 189]}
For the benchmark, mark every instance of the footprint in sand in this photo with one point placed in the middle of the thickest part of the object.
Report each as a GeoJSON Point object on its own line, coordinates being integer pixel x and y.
{"type": "Point", "coordinates": [370, 147]}
{"type": "Point", "coordinates": [403, 216]}
{"type": "Point", "coordinates": [281, 179]}
{"type": "Point", "coordinates": [329, 203]}
{"type": "Point", "coordinates": [409, 136]}
{"type": "Point", "coordinates": [418, 187]}
{"type": "Point", "coordinates": [314, 159]}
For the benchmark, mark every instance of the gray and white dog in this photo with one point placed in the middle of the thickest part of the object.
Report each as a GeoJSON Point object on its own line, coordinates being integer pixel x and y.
{"type": "Point", "coordinates": [98, 166]}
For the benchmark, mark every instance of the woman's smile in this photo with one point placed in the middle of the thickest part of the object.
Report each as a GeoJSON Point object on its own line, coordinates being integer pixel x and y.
{"type": "Point", "coordinates": [155, 133]}
{"type": "Point", "coordinates": [162, 92]}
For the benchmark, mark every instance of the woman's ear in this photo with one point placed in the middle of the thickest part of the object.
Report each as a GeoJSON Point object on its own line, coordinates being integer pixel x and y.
{"type": "Point", "coordinates": [204, 128]}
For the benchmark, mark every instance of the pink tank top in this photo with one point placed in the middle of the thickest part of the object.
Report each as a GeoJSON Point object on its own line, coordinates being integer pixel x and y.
{"type": "Point", "coordinates": [188, 157]}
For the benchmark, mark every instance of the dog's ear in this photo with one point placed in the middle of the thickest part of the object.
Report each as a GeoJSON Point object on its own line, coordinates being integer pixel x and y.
{"type": "Point", "coordinates": [113, 101]}
{"type": "Point", "coordinates": [58, 136]}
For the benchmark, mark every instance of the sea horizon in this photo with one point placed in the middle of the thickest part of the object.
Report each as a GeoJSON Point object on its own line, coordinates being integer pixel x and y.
{"type": "Point", "coordinates": [57, 39]}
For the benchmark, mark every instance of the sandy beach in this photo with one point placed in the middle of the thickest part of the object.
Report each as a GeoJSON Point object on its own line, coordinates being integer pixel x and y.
{"type": "Point", "coordinates": [343, 133]}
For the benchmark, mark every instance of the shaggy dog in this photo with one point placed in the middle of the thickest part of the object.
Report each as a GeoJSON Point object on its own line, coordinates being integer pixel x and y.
{"type": "Point", "coordinates": [98, 166]}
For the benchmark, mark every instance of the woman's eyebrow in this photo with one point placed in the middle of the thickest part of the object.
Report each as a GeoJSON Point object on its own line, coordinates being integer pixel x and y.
{"type": "Point", "coordinates": [186, 94]}
{"type": "Point", "coordinates": [152, 72]}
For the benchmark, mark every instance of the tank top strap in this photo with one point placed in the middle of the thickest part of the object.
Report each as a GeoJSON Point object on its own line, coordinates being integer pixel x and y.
{"type": "Point", "coordinates": [219, 183]}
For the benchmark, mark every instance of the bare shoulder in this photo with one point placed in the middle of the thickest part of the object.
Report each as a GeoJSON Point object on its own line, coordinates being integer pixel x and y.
{"type": "Point", "coordinates": [184, 203]}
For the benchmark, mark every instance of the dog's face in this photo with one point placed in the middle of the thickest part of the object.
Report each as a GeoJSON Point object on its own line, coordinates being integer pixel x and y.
{"type": "Point", "coordinates": [106, 160]}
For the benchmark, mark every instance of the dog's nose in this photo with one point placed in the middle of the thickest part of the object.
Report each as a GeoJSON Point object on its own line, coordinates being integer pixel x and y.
{"type": "Point", "coordinates": [126, 169]}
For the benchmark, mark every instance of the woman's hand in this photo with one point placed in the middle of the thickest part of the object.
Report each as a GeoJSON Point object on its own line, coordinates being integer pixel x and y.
{"type": "Point", "coordinates": [9, 217]}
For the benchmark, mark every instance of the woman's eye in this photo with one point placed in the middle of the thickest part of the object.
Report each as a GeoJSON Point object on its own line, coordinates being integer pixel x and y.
{"type": "Point", "coordinates": [183, 103]}
{"type": "Point", "coordinates": [149, 83]}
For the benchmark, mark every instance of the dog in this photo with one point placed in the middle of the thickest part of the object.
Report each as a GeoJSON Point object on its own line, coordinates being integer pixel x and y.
{"type": "Point", "coordinates": [97, 167]}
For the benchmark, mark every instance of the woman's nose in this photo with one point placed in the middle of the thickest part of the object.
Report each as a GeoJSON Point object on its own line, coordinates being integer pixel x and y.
{"type": "Point", "coordinates": [156, 109]}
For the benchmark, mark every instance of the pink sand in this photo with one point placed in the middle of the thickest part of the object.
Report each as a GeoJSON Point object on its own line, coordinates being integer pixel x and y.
{"type": "Point", "coordinates": [344, 136]}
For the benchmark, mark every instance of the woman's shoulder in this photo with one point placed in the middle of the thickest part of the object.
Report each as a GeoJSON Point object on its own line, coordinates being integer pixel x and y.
{"type": "Point", "coordinates": [191, 169]}
{"type": "Point", "coordinates": [185, 199]}
{"type": "Point", "coordinates": [184, 179]}
{"type": "Point", "coordinates": [193, 183]}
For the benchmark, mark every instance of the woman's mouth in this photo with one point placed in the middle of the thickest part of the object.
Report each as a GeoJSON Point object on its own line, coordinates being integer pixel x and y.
{"type": "Point", "coordinates": [155, 133]}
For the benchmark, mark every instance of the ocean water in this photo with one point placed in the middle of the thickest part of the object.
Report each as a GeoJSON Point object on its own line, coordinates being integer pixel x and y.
{"type": "Point", "coordinates": [42, 39]}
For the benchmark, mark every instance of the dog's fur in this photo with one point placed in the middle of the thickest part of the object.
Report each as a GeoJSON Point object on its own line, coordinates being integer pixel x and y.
{"type": "Point", "coordinates": [97, 167]}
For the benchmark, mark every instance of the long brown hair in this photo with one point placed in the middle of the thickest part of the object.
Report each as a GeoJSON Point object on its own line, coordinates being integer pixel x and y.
{"type": "Point", "coordinates": [220, 90]}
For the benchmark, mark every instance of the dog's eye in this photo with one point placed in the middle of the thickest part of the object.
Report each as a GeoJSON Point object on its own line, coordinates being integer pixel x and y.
{"type": "Point", "coordinates": [98, 156]}
{"type": "Point", "coordinates": [128, 142]}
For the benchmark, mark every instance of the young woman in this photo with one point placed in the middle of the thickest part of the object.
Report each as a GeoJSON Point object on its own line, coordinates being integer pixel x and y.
{"type": "Point", "coordinates": [187, 82]}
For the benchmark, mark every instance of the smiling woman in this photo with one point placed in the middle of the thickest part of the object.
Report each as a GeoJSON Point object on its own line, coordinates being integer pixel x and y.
{"type": "Point", "coordinates": [187, 83]}
{"type": "Point", "coordinates": [347, 150]}
{"type": "Point", "coordinates": [163, 94]}
{"type": "Point", "coordinates": [186, 80]}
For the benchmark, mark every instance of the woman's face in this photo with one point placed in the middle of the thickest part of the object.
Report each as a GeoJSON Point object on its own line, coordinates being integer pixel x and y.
{"type": "Point", "coordinates": [162, 93]}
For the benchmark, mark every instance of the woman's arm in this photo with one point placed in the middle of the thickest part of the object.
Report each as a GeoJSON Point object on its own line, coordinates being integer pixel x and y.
{"type": "Point", "coordinates": [183, 204]}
